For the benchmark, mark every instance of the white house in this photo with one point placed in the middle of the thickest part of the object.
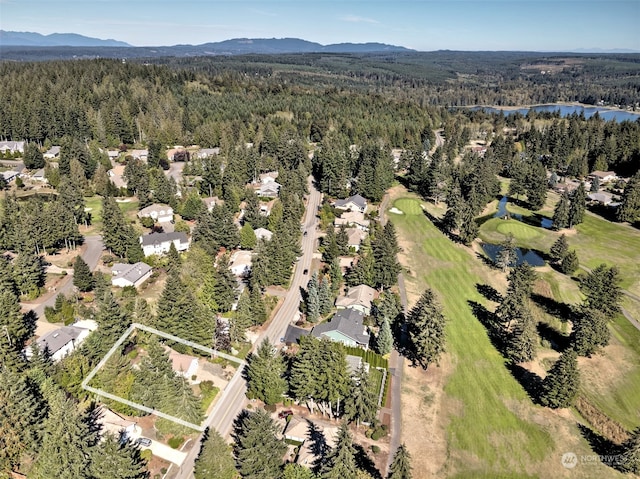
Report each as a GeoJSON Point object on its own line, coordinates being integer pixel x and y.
{"type": "Point", "coordinates": [12, 146]}
{"type": "Point", "coordinates": [210, 202]}
{"type": "Point", "coordinates": [354, 219]}
{"type": "Point", "coordinates": [159, 213]}
{"type": "Point", "coordinates": [182, 364]}
{"type": "Point", "coordinates": [241, 261]}
{"type": "Point", "coordinates": [61, 342]}
{"type": "Point", "coordinates": [52, 153]}
{"type": "Point", "coordinates": [203, 153]}
{"type": "Point", "coordinates": [269, 177]}
{"type": "Point", "coordinates": [356, 237]}
{"type": "Point", "coordinates": [9, 175]}
{"type": "Point", "coordinates": [263, 234]}
{"type": "Point", "coordinates": [160, 243]}
{"type": "Point", "coordinates": [269, 189]}
{"type": "Point", "coordinates": [604, 176]}
{"type": "Point", "coordinates": [39, 176]}
{"type": "Point", "coordinates": [130, 274]}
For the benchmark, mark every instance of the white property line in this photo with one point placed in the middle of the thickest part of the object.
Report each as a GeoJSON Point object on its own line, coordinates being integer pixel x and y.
{"type": "Point", "coordinates": [141, 407]}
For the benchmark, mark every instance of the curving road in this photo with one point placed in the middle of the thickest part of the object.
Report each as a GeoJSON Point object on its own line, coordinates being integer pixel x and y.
{"type": "Point", "coordinates": [233, 399]}
{"type": "Point", "coordinates": [92, 250]}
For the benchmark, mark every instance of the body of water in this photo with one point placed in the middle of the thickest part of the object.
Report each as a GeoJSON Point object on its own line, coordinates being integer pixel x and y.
{"type": "Point", "coordinates": [566, 110]}
{"type": "Point", "coordinates": [524, 255]}
{"type": "Point", "coordinates": [503, 211]}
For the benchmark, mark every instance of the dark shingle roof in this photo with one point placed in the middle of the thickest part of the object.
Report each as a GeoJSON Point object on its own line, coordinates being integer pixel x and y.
{"type": "Point", "coordinates": [157, 238]}
{"type": "Point", "coordinates": [348, 322]}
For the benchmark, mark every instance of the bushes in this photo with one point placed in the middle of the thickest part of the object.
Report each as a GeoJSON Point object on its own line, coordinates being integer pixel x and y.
{"type": "Point", "coordinates": [175, 442]}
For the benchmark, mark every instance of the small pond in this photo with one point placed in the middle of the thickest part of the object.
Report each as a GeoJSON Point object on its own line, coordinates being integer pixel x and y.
{"type": "Point", "coordinates": [503, 211]}
{"type": "Point", "coordinates": [524, 255]}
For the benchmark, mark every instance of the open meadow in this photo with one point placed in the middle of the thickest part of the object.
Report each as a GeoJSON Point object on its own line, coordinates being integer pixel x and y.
{"type": "Point", "coordinates": [471, 404]}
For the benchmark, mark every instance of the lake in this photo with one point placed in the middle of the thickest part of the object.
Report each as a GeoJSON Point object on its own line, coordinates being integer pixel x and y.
{"type": "Point", "coordinates": [566, 110]}
{"type": "Point", "coordinates": [502, 212]}
{"type": "Point", "coordinates": [524, 255]}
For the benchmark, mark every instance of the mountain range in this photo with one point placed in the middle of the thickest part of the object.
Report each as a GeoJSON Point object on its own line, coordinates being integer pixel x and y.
{"type": "Point", "coordinates": [236, 46]}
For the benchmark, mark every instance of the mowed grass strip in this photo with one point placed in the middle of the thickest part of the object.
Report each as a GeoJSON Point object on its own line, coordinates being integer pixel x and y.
{"type": "Point", "coordinates": [481, 390]}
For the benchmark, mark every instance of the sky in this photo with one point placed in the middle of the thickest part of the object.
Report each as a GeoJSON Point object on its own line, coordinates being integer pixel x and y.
{"type": "Point", "coordinates": [425, 25]}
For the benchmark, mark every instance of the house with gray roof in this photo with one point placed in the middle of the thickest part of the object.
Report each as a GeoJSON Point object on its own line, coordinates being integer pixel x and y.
{"type": "Point", "coordinates": [61, 342]}
{"type": "Point", "coordinates": [269, 189]}
{"type": "Point", "coordinates": [52, 153]}
{"type": "Point", "coordinates": [12, 146]}
{"type": "Point", "coordinates": [353, 203]}
{"type": "Point", "coordinates": [158, 212]}
{"type": "Point", "coordinates": [263, 234]}
{"type": "Point", "coordinates": [359, 298]}
{"type": "Point", "coordinates": [346, 326]}
{"type": "Point", "coordinates": [124, 275]}
{"type": "Point", "coordinates": [203, 153]}
{"type": "Point", "coordinates": [160, 243]}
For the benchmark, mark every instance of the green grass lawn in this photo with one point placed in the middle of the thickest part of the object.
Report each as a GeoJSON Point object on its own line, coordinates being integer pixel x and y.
{"type": "Point", "coordinates": [484, 427]}
{"type": "Point", "coordinates": [93, 204]}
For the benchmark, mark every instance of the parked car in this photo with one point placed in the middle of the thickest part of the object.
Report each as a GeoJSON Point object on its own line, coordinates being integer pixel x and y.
{"type": "Point", "coordinates": [306, 271]}
{"type": "Point", "coordinates": [285, 414]}
{"type": "Point", "coordinates": [143, 441]}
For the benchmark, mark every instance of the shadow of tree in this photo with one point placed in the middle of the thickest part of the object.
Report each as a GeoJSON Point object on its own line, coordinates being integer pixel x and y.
{"type": "Point", "coordinates": [490, 322]}
{"type": "Point", "coordinates": [486, 260]}
{"type": "Point", "coordinates": [365, 463]}
{"type": "Point", "coordinates": [558, 340]}
{"type": "Point", "coordinates": [531, 382]}
{"type": "Point", "coordinates": [562, 311]}
{"type": "Point", "coordinates": [318, 446]}
{"type": "Point", "coordinates": [608, 451]}
{"type": "Point", "coordinates": [489, 292]}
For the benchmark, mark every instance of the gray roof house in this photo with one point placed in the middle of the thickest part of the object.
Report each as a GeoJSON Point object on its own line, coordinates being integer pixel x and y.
{"type": "Point", "coordinates": [52, 153]}
{"type": "Point", "coordinates": [130, 274]}
{"type": "Point", "coordinates": [12, 146]}
{"type": "Point", "coordinates": [159, 213]}
{"type": "Point", "coordinates": [269, 190]}
{"type": "Point", "coordinates": [345, 327]}
{"type": "Point", "coordinates": [61, 342]}
{"type": "Point", "coordinates": [160, 243]}
{"type": "Point", "coordinates": [353, 203]}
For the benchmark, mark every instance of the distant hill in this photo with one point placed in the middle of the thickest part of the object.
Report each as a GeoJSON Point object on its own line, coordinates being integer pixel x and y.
{"type": "Point", "coordinates": [32, 39]}
{"type": "Point", "coordinates": [239, 46]}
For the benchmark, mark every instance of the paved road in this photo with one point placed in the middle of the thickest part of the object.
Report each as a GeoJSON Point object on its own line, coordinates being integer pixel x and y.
{"type": "Point", "coordinates": [92, 250]}
{"type": "Point", "coordinates": [233, 399]}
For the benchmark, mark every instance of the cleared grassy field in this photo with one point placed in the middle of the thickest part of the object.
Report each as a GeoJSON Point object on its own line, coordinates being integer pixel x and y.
{"type": "Point", "coordinates": [485, 428]}
{"type": "Point", "coordinates": [93, 205]}
{"type": "Point", "coordinates": [492, 427]}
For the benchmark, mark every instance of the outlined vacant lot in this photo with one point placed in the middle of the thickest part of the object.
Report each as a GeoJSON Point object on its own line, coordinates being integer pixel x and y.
{"type": "Point", "coordinates": [141, 407]}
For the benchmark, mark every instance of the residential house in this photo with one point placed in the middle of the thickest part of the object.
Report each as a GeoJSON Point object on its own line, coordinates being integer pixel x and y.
{"type": "Point", "coordinates": [9, 175]}
{"type": "Point", "coordinates": [352, 219]}
{"type": "Point", "coordinates": [269, 189]}
{"type": "Point", "coordinates": [160, 243]}
{"type": "Point", "coordinates": [356, 237]}
{"type": "Point", "coordinates": [210, 202]}
{"type": "Point", "coordinates": [113, 423]}
{"type": "Point", "coordinates": [602, 197]}
{"type": "Point", "coordinates": [346, 326]}
{"type": "Point", "coordinates": [354, 363]}
{"type": "Point", "coordinates": [113, 155]}
{"type": "Point", "coordinates": [204, 153]}
{"type": "Point", "coordinates": [61, 342]}
{"type": "Point", "coordinates": [265, 208]}
{"type": "Point", "coordinates": [39, 176]}
{"type": "Point", "coordinates": [130, 274]}
{"type": "Point", "coordinates": [12, 146]}
{"type": "Point", "coordinates": [51, 153]}
{"type": "Point", "coordinates": [116, 175]}
{"type": "Point", "coordinates": [141, 155]}
{"type": "Point", "coordinates": [263, 234]}
{"type": "Point", "coordinates": [159, 213]}
{"type": "Point", "coordinates": [353, 203]}
{"type": "Point", "coordinates": [604, 176]}
{"type": "Point", "coordinates": [345, 262]}
{"type": "Point", "coordinates": [182, 364]}
{"type": "Point", "coordinates": [299, 429]}
{"type": "Point", "coordinates": [178, 153]}
{"type": "Point", "coordinates": [240, 264]}
{"type": "Point", "coordinates": [293, 334]}
{"type": "Point", "coordinates": [359, 298]}
{"type": "Point", "coordinates": [269, 177]}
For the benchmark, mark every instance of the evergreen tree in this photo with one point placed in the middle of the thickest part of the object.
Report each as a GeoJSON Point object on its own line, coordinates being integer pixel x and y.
{"type": "Point", "coordinates": [325, 297]}
{"type": "Point", "coordinates": [385, 250]}
{"type": "Point", "coordinates": [265, 374]}
{"type": "Point", "coordinates": [82, 278]}
{"type": "Point", "coordinates": [258, 308]}
{"type": "Point", "coordinates": [361, 404]}
{"type": "Point", "coordinates": [297, 471]}
{"type": "Point", "coordinates": [341, 461]}
{"type": "Point", "coordinates": [117, 234]}
{"type": "Point", "coordinates": [14, 325]}
{"type": "Point", "coordinates": [28, 273]}
{"type": "Point", "coordinates": [384, 340]}
{"type": "Point", "coordinates": [507, 256]}
{"type": "Point", "coordinates": [595, 185]}
{"type": "Point", "coordinates": [174, 262]}
{"type": "Point", "coordinates": [536, 185]}
{"type": "Point", "coordinates": [242, 318]}
{"type": "Point", "coordinates": [248, 238]}
{"type": "Point", "coordinates": [180, 402]}
{"type": "Point", "coordinates": [602, 290]}
{"type": "Point", "coordinates": [312, 299]}
{"type": "Point", "coordinates": [630, 457]}
{"type": "Point", "coordinates": [629, 209]}
{"type": "Point", "coordinates": [112, 322]}
{"type": "Point", "coordinates": [401, 465]}
{"type": "Point", "coordinates": [590, 332]}
{"type": "Point", "coordinates": [335, 272]}
{"type": "Point", "coordinates": [225, 287]}
{"type": "Point", "coordinates": [561, 386]}
{"type": "Point", "coordinates": [21, 412]}
{"type": "Point", "coordinates": [469, 229]}
{"type": "Point", "coordinates": [578, 206]}
{"type": "Point", "coordinates": [522, 338]}
{"type": "Point", "coordinates": [559, 249]}
{"type": "Point", "coordinates": [33, 159]}
{"type": "Point", "coordinates": [67, 442]}
{"type": "Point", "coordinates": [192, 207]}
{"type": "Point", "coordinates": [561, 213]}
{"type": "Point", "coordinates": [258, 451]}
{"type": "Point", "coordinates": [570, 263]}
{"type": "Point", "coordinates": [425, 327]}
{"type": "Point", "coordinates": [215, 459]}
{"type": "Point", "coordinates": [111, 459]}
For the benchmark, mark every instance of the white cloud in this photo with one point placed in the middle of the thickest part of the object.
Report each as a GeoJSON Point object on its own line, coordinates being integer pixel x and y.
{"type": "Point", "coordinates": [357, 19]}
